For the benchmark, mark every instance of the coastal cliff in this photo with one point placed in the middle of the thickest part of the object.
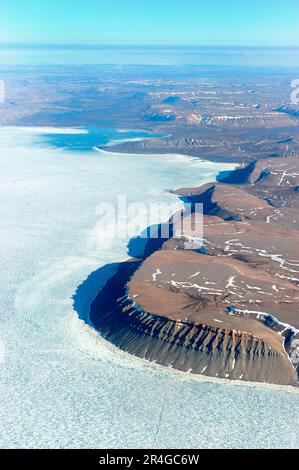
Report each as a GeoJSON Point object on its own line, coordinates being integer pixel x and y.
{"type": "Point", "coordinates": [197, 348]}
{"type": "Point", "coordinates": [230, 308]}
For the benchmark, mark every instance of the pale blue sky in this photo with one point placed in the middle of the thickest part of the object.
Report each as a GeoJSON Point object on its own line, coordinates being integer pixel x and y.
{"type": "Point", "coordinates": [187, 22]}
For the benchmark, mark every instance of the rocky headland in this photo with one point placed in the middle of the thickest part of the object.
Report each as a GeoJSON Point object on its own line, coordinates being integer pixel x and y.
{"type": "Point", "coordinates": [223, 304]}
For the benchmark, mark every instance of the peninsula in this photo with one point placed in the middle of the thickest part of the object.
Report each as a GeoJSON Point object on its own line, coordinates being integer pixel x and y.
{"type": "Point", "coordinates": [230, 308]}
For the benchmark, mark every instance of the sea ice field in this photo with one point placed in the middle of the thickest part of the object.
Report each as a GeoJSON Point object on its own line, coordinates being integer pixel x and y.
{"type": "Point", "coordinates": [62, 386]}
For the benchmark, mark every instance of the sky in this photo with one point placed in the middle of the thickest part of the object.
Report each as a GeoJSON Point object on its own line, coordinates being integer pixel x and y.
{"type": "Point", "coordinates": [152, 22]}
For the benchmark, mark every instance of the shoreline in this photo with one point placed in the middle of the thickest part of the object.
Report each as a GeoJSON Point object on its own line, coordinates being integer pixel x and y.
{"type": "Point", "coordinates": [120, 148]}
{"type": "Point", "coordinates": [111, 327]}
{"type": "Point", "coordinates": [82, 313]}
{"type": "Point", "coordinates": [136, 362]}
{"type": "Point", "coordinates": [135, 342]}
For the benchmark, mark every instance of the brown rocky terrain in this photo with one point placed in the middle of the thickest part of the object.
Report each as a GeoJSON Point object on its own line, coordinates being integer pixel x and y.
{"type": "Point", "coordinates": [246, 326]}
{"type": "Point", "coordinates": [224, 303]}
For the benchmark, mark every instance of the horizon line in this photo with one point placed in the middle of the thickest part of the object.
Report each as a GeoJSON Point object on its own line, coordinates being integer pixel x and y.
{"type": "Point", "coordinates": [109, 45]}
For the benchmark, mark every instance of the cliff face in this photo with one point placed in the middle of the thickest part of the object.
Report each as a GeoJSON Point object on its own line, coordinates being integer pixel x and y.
{"type": "Point", "coordinates": [229, 309]}
{"type": "Point", "coordinates": [199, 349]}
{"type": "Point", "coordinates": [222, 345]}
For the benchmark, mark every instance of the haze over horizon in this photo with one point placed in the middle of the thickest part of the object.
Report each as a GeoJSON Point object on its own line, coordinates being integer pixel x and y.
{"type": "Point", "coordinates": [172, 23]}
